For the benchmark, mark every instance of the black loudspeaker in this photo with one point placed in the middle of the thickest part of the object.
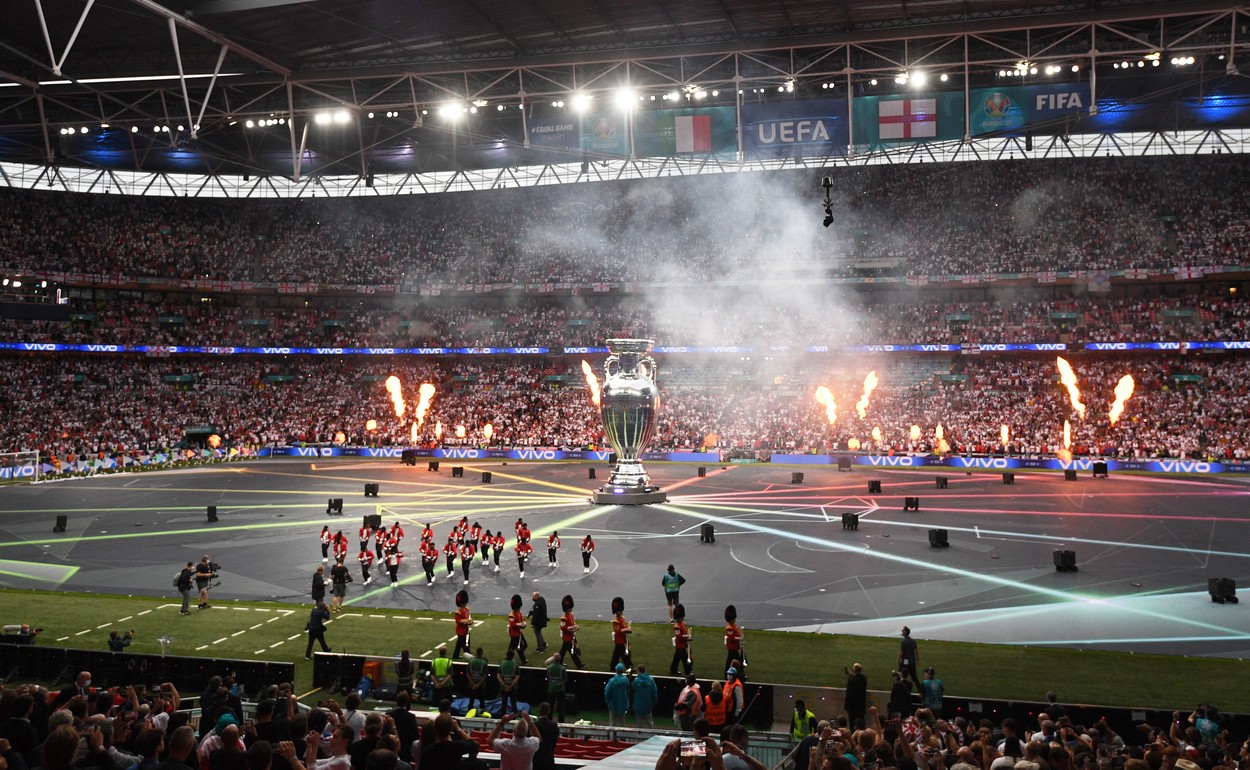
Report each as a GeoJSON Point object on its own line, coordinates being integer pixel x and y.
{"type": "Point", "coordinates": [702, 472]}
{"type": "Point", "coordinates": [1065, 561]}
{"type": "Point", "coordinates": [590, 473]}
{"type": "Point", "coordinates": [874, 487]}
{"type": "Point", "coordinates": [612, 459]}
{"type": "Point", "coordinates": [212, 514]}
{"type": "Point", "coordinates": [1009, 478]}
{"type": "Point", "coordinates": [707, 533]}
{"type": "Point", "coordinates": [1222, 590]}
{"type": "Point", "coordinates": [408, 457]}
{"type": "Point", "coordinates": [844, 464]}
{"type": "Point", "coordinates": [433, 466]}
{"type": "Point", "coordinates": [334, 507]}
{"type": "Point", "coordinates": [457, 471]}
{"type": "Point", "coordinates": [939, 539]}
{"type": "Point", "coordinates": [61, 521]}
{"type": "Point", "coordinates": [911, 503]}
{"type": "Point", "coordinates": [1069, 475]}
{"type": "Point", "coordinates": [850, 521]}
{"type": "Point", "coordinates": [796, 478]}
{"type": "Point", "coordinates": [371, 490]}
{"type": "Point", "coordinates": [485, 477]}
{"type": "Point", "coordinates": [373, 520]}
{"type": "Point", "coordinates": [1100, 469]}
{"type": "Point", "coordinates": [942, 482]}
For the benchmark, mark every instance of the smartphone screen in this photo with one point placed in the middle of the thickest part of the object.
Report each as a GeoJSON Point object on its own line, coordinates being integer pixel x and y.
{"type": "Point", "coordinates": [693, 748]}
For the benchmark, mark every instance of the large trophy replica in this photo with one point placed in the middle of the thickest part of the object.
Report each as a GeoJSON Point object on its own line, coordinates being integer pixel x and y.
{"type": "Point", "coordinates": [628, 406]}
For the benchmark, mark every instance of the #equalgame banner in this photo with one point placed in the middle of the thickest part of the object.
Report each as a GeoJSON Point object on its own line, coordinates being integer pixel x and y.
{"type": "Point", "coordinates": [809, 127]}
{"type": "Point", "coordinates": [555, 132]}
{"type": "Point", "coordinates": [692, 131]}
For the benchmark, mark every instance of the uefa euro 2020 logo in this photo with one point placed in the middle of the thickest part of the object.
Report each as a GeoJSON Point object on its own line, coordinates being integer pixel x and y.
{"type": "Point", "coordinates": [603, 128]}
{"type": "Point", "coordinates": [997, 105]}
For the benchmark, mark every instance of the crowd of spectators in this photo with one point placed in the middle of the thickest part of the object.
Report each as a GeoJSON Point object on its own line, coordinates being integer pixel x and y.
{"type": "Point", "coordinates": [1183, 405]}
{"type": "Point", "coordinates": [860, 320]}
{"type": "Point", "coordinates": [1008, 216]}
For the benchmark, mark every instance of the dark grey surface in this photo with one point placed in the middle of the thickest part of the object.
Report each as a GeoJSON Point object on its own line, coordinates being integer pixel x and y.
{"type": "Point", "coordinates": [1145, 545]}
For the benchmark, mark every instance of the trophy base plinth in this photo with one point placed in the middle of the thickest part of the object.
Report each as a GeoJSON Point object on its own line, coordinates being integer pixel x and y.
{"type": "Point", "coordinates": [610, 495]}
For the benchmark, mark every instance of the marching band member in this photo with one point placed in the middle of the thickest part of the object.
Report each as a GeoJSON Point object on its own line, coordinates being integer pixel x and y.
{"type": "Point", "coordinates": [467, 552]}
{"type": "Point", "coordinates": [523, 550]}
{"type": "Point", "coordinates": [516, 623]}
{"type": "Point", "coordinates": [588, 549]}
{"type": "Point", "coordinates": [365, 557]}
{"type": "Point", "coordinates": [620, 635]}
{"type": "Point", "coordinates": [553, 545]}
{"type": "Point", "coordinates": [464, 622]}
{"type": "Point", "coordinates": [568, 632]}
{"type": "Point", "coordinates": [429, 560]}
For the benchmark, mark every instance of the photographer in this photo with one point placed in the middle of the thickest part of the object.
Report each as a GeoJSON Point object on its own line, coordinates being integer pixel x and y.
{"type": "Point", "coordinates": [701, 751]}
{"type": "Point", "coordinates": [119, 642]}
{"type": "Point", "coordinates": [205, 571]}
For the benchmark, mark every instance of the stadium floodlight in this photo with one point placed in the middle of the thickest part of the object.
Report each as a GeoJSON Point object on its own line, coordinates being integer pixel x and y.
{"type": "Point", "coordinates": [580, 102]}
{"type": "Point", "coordinates": [918, 78]}
{"type": "Point", "coordinates": [625, 98]}
{"type": "Point", "coordinates": [342, 116]}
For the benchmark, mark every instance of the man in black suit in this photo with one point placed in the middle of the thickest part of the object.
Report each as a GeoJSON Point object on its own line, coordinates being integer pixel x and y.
{"type": "Point", "coordinates": [538, 620]}
{"type": "Point", "coordinates": [81, 686]}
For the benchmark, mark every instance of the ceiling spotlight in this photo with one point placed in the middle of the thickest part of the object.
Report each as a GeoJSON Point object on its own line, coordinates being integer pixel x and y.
{"type": "Point", "coordinates": [1076, 68]}
{"type": "Point", "coordinates": [580, 102]}
{"type": "Point", "coordinates": [625, 98]}
{"type": "Point", "coordinates": [944, 77]}
{"type": "Point", "coordinates": [872, 82]}
{"type": "Point", "coordinates": [181, 128]}
{"type": "Point", "coordinates": [341, 116]}
{"type": "Point", "coordinates": [134, 129]}
{"type": "Point", "coordinates": [370, 116]}
{"type": "Point", "coordinates": [82, 130]}
{"type": "Point", "coordinates": [716, 93]}
{"type": "Point", "coordinates": [499, 108]}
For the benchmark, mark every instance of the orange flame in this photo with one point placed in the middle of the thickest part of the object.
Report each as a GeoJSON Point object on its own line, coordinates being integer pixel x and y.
{"type": "Point", "coordinates": [876, 435]}
{"type": "Point", "coordinates": [852, 443]}
{"type": "Point", "coordinates": [1067, 435]}
{"type": "Point", "coordinates": [416, 429]}
{"type": "Point", "coordinates": [1123, 392]}
{"type": "Point", "coordinates": [424, 393]}
{"type": "Point", "coordinates": [214, 441]}
{"type": "Point", "coordinates": [488, 430]}
{"type": "Point", "coordinates": [397, 395]}
{"type": "Point", "coordinates": [939, 439]}
{"type": "Point", "coordinates": [915, 433]}
{"type": "Point", "coordinates": [1005, 433]}
{"type": "Point", "coordinates": [591, 381]}
{"type": "Point", "coordinates": [438, 430]}
{"type": "Point", "coordinates": [825, 398]}
{"type": "Point", "coordinates": [1068, 378]}
{"type": "Point", "coordinates": [939, 433]}
{"type": "Point", "coordinates": [870, 384]}
{"type": "Point", "coordinates": [340, 437]}
{"type": "Point", "coordinates": [371, 425]}
{"type": "Point", "coordinates": [460, 432]}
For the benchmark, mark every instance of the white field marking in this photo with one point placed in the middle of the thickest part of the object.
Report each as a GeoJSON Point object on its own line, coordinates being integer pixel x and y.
{"type": "Point", "coordinates": [80, 633]}
{"type": "Point", "coordinates": [276, 644]}
{"type": "Point", "coordinates": [374, 616]}
{"type": "Point", "coordinates": [258, 652]}
{"type": "Point", "coordinates": [222, 639]}
{"type": "Point", "coordinates": [426, 654]}
{"type": "Point", "coordinates": [202, 646]}
{"type": "Point", "coordinates": [61, 638]}
{"type": "Point", "coordinates": [273, 619]}
{"type": "Point", "coordinates": [236, 633]}
{"type": "Point", "coordinates": [253, 628]}
{"type": "Point", "coordinates": [104, 625]}
{"type": "Point", "coordinates": [123, 620]}
{"type": "Point", "coordinates": [293, 638]}
{"type": "Point", "coordinates": [243, 609]}
{"type": "Point", "coordinates": [145, 612]}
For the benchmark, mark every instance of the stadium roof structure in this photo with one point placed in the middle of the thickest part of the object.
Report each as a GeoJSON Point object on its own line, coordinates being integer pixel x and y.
{"type": "Point", "coordinates": [313, 89]}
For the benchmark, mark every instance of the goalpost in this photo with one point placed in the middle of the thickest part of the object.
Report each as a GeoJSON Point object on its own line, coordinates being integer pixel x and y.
{"type": "Point", "coordinates": [20, 466]}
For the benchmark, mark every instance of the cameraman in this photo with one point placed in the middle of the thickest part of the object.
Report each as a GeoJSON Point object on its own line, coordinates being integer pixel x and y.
{"type": "Point", "coordinates": [118, 642]}
{"type": "Point", "coordinates": [205, 571]}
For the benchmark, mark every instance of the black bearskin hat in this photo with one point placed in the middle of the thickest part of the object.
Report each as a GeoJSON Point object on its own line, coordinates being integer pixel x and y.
{"type": "Point", "coordinates": [462, 598]}
{"type": "Point", "coordinates": [731, 613]}
{"type": "Point", "coordinates": [516, 601]}
{"type": "Point", "coordinates": [566, 603]}
{"type": "Point", "coordinates": [679, 612]}
{"type": "Point", "coordinates": [618, 605]}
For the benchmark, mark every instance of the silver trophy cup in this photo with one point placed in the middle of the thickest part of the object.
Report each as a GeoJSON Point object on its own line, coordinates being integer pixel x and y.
{"type": "Point", "coordinates": [628, 406]}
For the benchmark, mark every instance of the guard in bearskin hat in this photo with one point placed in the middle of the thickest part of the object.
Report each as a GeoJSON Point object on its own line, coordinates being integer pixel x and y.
{"type": "Point", "coordinates": [568, 633]}
{"type": "Point", "coordinates": [620, 636]}
{"type": "Point", "coordinates": [516, 623]}
{"type": "Point", "coordinates": [464, 622]}
{"type": "Point", "coordinates": [681, 642]}
{"type": "Point", "coordinates": [734, 654]}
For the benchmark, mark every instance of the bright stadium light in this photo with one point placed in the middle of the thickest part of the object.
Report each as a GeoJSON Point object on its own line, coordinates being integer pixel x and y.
{"type": "Point", "coordinates": [625, 98]}
{"type": "Point", "coordinates": [580, 102]}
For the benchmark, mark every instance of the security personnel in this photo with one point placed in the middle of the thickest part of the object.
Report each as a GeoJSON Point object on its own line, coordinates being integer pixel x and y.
{"type": "Point", "coordinates": [620, 635]}
{"type": "Point", "coordinates": [326, 539]}
{"type": "Point", "coordinates": [681, 642]}
{"type": "Point", "coordinates": [516, 624]}
{"type": "Point", "coordinates": [509, 676]}
{"type": "Point", "coordinates": [441, 669]}
{"type": "Point", "coordinates": [588, 549]}
{"type": "Point", "coordinates": [733, 638]}
{"type": "Point", "coordinates": [803, 723]}
{"type": "Point", "coordinates": [716, 708]}
{"type": "Point", "coordinates": [672, 583]}
{"type": "Point", "coordinates": [449, 550]}
{"type": "Point", "coordinates": [523, 550]}
{"type": "Point", "coordinates": [557, 674]}
{"type": "Point", "coordinates": [365, 557]}
{"type": "Point", "coordinates": [429, 561]}
{"type": "Point", "coordinates": [568, 632]}
{"type": "Point", "coordinates": [734, 693]}
{"type": "Point", "coordinates": [464, 622]}
{"type": "Point", "coordinates": [467, 552]}
{"type": "Point", "coordinates": [477, 680]}
{"type": "Point", "coordinates": [553, 545]}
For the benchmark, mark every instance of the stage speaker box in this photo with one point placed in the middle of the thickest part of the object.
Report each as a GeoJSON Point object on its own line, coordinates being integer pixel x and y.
{"type": "Point", "coordinates": [334, 507]}
{"type": "Point", "coordinates": [485, 477]}
{"type": "Point", "coordinates": [1069, 475]}
{"type": "Point", "coordinates": [457, 471]}
{"type": "Point", "coordinates": [408, 457]}
{"type": "Point", "coordinates": [1222, 590]}
{"type": "Point", "coordinates": [702, 472]}
{"type": "Point", "coordinates": [844, 464]}
{"type": "Point", "coordinates": [911, 503]}
{"type": "Point", "coordinates": [613, 459]}
{"type": "Point", "coordinates": [938, 538]}
{"type": "Point", "coordinates": [212, 514]}
{"type": "Point", "coordinates": [61, 522]}
{"type": "Point", "coordinates": [1100, 469]}
{"type": "Point", "coordinates": [850, 521]}
{"type": "Point", "coordinates": [707, 533]}
{"type": "Point", "coordinates": [432, 467]}
{"type": "Point", "coordinates": [1065, 561]}
{"type": "Point", "coordinates": [942, 482]}
{"type": "Point", "coordinates": [590, 473]}
{"type": "Point", "coordinates": [796, 478]}
{"type": "Point", "coordinates": [874, 487]}
{"type": "Point", "coordinates": [371, 490]}
{"type": "Point", "coordinates": [1009, 478]}
{"type": "Point", "coordinates": [373, 520]}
